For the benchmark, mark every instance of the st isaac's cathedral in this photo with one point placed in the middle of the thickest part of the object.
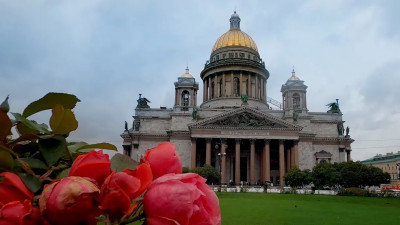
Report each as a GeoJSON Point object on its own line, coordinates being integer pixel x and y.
{"type": "Point", "coordinates": [235, 129]}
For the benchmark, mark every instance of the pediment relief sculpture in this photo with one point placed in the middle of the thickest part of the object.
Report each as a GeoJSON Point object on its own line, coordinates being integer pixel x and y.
{"type": "Point", "coordinates": [244, 120]}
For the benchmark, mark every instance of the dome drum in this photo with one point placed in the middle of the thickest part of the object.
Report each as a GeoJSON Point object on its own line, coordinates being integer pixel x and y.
{"type": "Point", "coordinates": [234, 64]}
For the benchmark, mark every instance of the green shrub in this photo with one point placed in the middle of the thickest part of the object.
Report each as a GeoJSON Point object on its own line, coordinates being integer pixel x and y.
{"type": "Point", "coordinates": [210, 173]}
{"type": "Point", "coordinates": [185, 170]}
{"type": "Point", "coordinates": [356, 192]}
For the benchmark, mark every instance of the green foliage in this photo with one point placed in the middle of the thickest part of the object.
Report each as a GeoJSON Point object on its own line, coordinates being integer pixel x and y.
{"type": "Point", "coordinates": [5, 125]}
{"type": "Point", "coordinates": [120, 162]}
{"type": "Point", "coordinates": [62, 120]}
{"type": "Point", "coordinates": [49, 101]}
{"type": "Point", "coordinates": [210, 173]}
{"type": "Point", "coordinates": [325, 174]}
{"type": "Point", "coordinates": [52, 148]}
{"type": "Point", "coordinates": [297, 178]}
{"type": "Point", "coordinates": [6, 160]}
{"type": "Point", "coordinates": [39, 155]}
{"type": "Point", "coordinates": [185, 170]}
{"type": "Point", "coordinates": [356, 192]}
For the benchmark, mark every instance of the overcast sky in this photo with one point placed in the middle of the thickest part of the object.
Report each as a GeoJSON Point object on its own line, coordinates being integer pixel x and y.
{"type": "Point", "coordinates": [107, 52]}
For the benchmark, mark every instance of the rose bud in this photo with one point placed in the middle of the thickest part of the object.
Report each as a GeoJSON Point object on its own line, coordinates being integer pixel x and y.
{"type": "Point", "coordinates": [72, 200]}
{"type": "Point", "coordinates": [12, 188]}
{"type": "Point", "coordinates": [94, 165]}
{"type": "Point", "coordinates": [163, 159]}
{"type": "Point", "coordinates": [181, 199]}
{"type": "Point", "coordinates": [121, 189]}
{"type": "Point", "coordinates": [18, 213]}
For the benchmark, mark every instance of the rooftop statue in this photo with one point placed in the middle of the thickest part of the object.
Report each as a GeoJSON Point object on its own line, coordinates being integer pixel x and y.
{"type": "Point", "coordinates": [244, 99]}
{"type": "Point", "coordinates": [295, 115]}
{"type": "Point", "coordinates": [142, 103]}
{"type": "Point", "coordinates": [194, 113]}
{"type": "Point", "coordinates": [334, 107]}
{"type": "Point", "coordinates": [340, 128]}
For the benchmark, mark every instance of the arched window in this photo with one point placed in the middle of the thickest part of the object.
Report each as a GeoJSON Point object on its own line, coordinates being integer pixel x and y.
{"type": "Point", "coordinates": [296, 100]}
{"type": "Point", "coordinates": [220, 88]}
{"type": "Point", "coordinates": [236, 86]}
{"type": "Point", "coordinates": [185, 100]}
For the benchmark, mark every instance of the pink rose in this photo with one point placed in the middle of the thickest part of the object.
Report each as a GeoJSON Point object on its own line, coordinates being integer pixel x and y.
{"type": "Point", "coordinates": [121, 189]}
{"type": "Point", "coordinates": [72, 200]}
{"type": "Point", "coordinates": [181, 199]}
{"type": "Point", "coordinates": [163, 159]}
{"type": "Point", "coordinates": [94, 165]}
{"type": "Point", "coordinates": [18, 213]}
{"type": "Point", "coordinates": [12, 188]}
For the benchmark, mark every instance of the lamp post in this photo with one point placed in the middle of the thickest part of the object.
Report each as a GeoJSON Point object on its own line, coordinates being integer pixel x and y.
{"type": "Point", "coordinates": [220, 155]}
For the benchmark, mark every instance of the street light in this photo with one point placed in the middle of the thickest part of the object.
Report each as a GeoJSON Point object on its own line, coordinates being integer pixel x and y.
{"type": "Point", "coordinates": [220, 155]}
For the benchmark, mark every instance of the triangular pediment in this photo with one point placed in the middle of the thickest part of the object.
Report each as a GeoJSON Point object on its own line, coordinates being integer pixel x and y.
{"type": "Point", "coordinates": [245, 117]}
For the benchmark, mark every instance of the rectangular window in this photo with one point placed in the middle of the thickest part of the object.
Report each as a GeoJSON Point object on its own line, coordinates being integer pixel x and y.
{"type": "Point", "coordinates": [224, 56]}
{"type": "Point", "coordinates": [230, 55]}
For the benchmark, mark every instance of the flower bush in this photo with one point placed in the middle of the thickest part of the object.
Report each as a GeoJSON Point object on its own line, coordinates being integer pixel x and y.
{"type": "Point", "coordinates": [46, 180]}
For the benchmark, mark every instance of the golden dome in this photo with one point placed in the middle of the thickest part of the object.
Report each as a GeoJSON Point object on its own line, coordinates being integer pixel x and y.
{"type": "Point", "coordinates": [294, 77]}
{"type": "Point", "coordinates": [235, 37]}
{"type": "Point", "coordinates": [187, 74]}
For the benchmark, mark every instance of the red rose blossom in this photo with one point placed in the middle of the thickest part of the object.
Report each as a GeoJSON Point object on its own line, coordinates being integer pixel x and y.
{"type": "Point", "coordinates": [163, 159]}
{"type": "Point", "coordinates": [12, 188]}
{"type": "Point", "coordinates": [181, 199]}
{"type": "Point", "coordinates": [95, 165]}
{"type": "Point", "coordinates": [18, 213]}
{"type": "Point", "coordinates": [72, 200]}
{"type": "Point", "coordinates": [121, 189]}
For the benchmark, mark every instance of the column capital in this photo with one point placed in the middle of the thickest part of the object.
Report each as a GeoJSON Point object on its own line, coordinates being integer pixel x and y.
{"type": "Point", "coordinates": [296, 142]}
{"type": "Point", "coordinates": [237, 140]}
{"type": "Point", "coordinates": [223, 141]}
{"type": "Point", "coordinates": [281, 141]}
{"type": "Point", "coordinates": [194, 139]}
{"type": "Point", "coordinates": [267, 141]}
{"type": "Point", "coordinates": [208, 140]}
{"type": "Point", "coordinates": [252, 141]}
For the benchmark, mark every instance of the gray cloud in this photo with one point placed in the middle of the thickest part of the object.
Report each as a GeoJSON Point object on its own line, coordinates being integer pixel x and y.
{"type": "Point", "coordinates": [107, 53]}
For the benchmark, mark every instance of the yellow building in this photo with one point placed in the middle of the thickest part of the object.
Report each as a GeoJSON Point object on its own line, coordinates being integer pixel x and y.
{"type": "Point", "coordinates": [389, 163]}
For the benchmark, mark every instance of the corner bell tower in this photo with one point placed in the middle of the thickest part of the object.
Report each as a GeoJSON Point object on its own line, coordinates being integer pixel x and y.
{"type": "Point", "coordinates": [185, 92]}
{"type": "Point", "coordinates": [294, 94]}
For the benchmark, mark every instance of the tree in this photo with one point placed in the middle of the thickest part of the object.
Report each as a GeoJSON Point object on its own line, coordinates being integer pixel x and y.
{"type": "Point", "coordinates": [325, 174]}
{"type": "Point", "coordinates": [210, 173]}
{"type": "Point", "coordinates": [297, 178]}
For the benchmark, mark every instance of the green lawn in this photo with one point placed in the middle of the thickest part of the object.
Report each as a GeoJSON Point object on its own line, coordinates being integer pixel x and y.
{"type": "Point", "coordinates": [279, 209]}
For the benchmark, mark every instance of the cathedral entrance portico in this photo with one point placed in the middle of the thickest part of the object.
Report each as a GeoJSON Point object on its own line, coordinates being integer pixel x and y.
{"type": "Point", "coordinates": [250, 161]}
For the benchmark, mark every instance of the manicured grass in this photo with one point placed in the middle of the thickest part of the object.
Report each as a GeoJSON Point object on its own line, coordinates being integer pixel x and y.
{"type": "Point", "coordinates": [287, 209]}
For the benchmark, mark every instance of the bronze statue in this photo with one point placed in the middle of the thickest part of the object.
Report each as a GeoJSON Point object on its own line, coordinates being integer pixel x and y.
{"type": "Point", "coordinates": [340, 128]}
{"type": "Point", "coordinates": [295, 115]}
{"type": "Point", "coordinates": [334, 107]}
{"type": "Point", "coordinates": [142, 102]}
{"type": "Point", "coordinates": [126, 125]}
{"type": "Point", "coordinates": [244, 99]}
{"type": "Point", "coordinates": [194, 113]}
{"type": "Point", "coordinates": [347, 131]}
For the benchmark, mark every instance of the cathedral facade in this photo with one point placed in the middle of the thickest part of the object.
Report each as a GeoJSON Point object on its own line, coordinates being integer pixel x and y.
{"type": "Point", "coordinates": [235, 129]}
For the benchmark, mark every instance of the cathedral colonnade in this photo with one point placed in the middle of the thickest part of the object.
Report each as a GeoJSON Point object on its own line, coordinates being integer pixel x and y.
{"type": "Point", "coordinates": [250, 161]}
{"type": "Point", "coordinates": [234, 84]}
